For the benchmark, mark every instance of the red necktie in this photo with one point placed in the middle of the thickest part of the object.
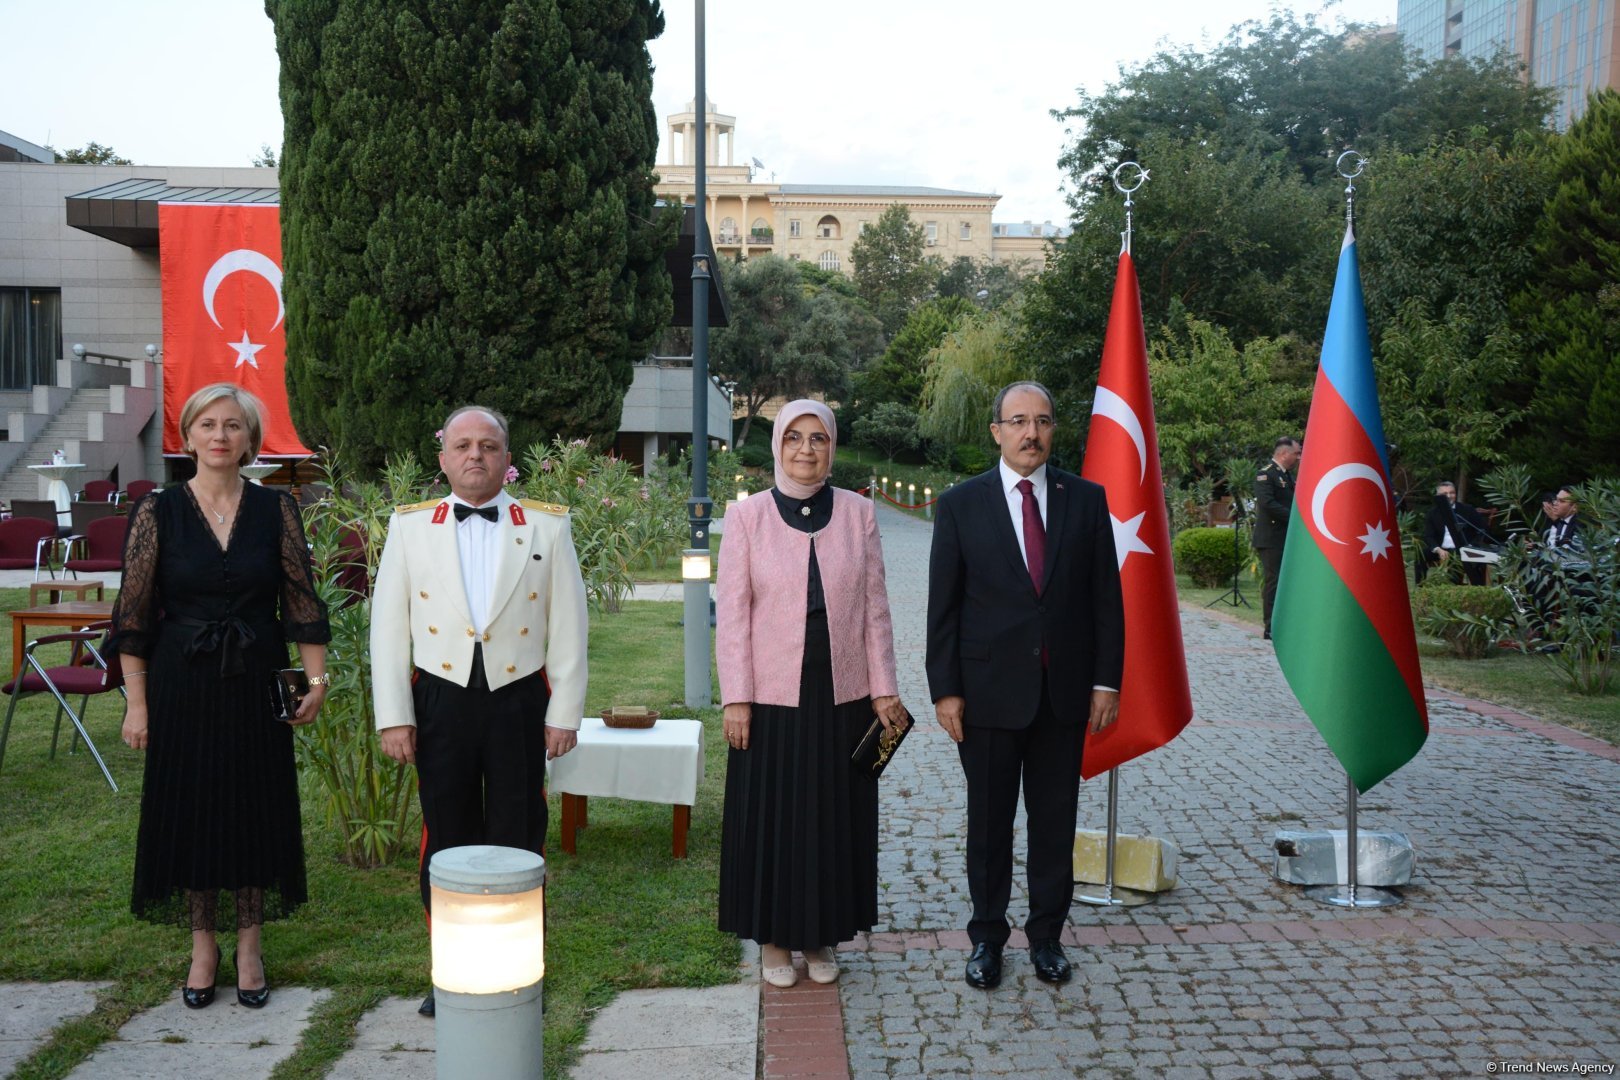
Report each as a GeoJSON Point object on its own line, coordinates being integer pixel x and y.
{"type": "Point", "coordinates": [1034, 536]}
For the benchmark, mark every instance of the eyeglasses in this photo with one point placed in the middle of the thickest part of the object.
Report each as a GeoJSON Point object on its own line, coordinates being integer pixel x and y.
{"type": "Point", "coordinates": [1019, 423]}
{"type": "Point", "coordinates": [795, 439]}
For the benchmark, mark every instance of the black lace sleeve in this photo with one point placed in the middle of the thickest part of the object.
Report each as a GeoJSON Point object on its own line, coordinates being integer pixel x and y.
{"type": "Point", "coordinates": [303, 614]}
{"type": "Point", "coordinates": [135, 609]}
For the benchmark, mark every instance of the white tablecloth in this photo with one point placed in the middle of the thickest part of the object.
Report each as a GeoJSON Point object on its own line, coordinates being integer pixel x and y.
{"type": "Point", "coordinates": [662, 764]}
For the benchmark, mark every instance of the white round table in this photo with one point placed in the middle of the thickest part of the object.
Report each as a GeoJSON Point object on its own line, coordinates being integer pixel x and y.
{"type": "Point", "coordinates": [259, 470]}
{"type": "Point", "coordinates": [56, 489]}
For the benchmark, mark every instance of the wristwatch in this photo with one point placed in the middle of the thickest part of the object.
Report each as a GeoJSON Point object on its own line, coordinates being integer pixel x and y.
{"type": "Point", "coordinates": [323, 679]}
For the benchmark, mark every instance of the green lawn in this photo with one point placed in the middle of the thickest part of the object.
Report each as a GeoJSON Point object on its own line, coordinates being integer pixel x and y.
{"type": "Point", "coordinates": [1507, 677]}
{"type": "Point", "coordinates": [621, 915]}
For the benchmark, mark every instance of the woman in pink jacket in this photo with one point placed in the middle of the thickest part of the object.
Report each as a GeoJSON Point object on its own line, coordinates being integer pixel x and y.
{"type": "Point", "coordinates": [806, 657]}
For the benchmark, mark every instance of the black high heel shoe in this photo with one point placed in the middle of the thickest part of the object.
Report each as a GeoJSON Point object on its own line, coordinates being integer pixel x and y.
{"type": "Point", "coordinates": [200, 997]}
{"type": "Point", "coordinates": [255, 999]}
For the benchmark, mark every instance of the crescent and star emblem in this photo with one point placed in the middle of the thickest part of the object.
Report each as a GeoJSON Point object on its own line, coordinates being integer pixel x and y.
{"type": "Point", "coordinates": [1127, 534]}
{"type": "Point", "coordinates": [254, 262]}
{"type": "Point", "coordinates": [1375, 541]}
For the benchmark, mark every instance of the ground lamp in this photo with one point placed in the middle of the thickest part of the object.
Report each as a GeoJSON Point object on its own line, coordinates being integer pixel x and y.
{"type": "Point", "coordinates": [928, 499]}
{"type": "Point", "coordinates": [489, 963]}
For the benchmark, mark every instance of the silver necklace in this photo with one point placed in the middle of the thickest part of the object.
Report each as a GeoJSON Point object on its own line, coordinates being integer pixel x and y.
{"type": "Point", "coordinates": [209, 506]}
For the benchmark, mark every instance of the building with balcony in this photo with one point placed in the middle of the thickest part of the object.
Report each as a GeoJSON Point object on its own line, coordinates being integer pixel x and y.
{"type": "Point", "coordinates": [819, 223]}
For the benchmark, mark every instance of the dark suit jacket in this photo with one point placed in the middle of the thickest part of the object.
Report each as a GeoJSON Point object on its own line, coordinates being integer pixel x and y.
{"type": "Point", "coordinates": [987, 625]}
{"type": "Point", "coordinates": [1273, 502]}
{"type": "Point", "coordinates": [1465, 523]}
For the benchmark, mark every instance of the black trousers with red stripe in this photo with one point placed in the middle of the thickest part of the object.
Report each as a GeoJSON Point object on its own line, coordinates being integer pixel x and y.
{"type": "Point", "coordinates": [480, 764]}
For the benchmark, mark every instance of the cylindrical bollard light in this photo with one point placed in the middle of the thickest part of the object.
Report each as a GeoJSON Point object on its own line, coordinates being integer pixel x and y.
{"type": "Point", "coordinates": [488, 962]}
{"type": "Point", "coordinates": [911, 495]}
{"type": "Point", "coordinates": [928, 508]}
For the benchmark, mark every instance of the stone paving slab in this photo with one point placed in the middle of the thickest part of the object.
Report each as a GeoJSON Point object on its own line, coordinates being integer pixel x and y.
{"type": "Point", "coordinates": [1504, 949]}
{"type": "Point", "coordinates": [29, 1012]}
{"type": "Point", "coordinates": [222, 1040]}
{"type": "Point", "coordinates": [711, 1032]}
{"type": "Point", "coordinates": [391, 1042]}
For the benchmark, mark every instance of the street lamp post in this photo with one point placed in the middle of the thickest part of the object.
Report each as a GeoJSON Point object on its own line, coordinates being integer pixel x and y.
{"type": "Point", "coordinates": [695, 560]}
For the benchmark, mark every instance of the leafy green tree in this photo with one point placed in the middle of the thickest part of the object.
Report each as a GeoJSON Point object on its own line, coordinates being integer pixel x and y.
{"type": "Point", "coordinates": [768, 304]}
{"type": "Point", "coordinates": [91, 153]}
{"type": "Point", "coordinates": [1442, 395]}
{"type": "Point", "coordinates": [1214, 401]}
{"type": "Point", "coordinates": [467, 214]}
{"type": "Point", "coordinates": [824, 348]}
{"type": "Point", "coordinates": [266, 157]}
{"type": "Point", "coordinates": [1572, 303]}
{"type": "Point", "coordinates": [891, 272]}
{"type": "Point", "coordinates": [890, 427]}
{"type": "Point", "coordinates": [897, 375]}
{"type": "Point", "coordinates": [964, 373]}
{"type": "Point", "coordinates": [981, 282]}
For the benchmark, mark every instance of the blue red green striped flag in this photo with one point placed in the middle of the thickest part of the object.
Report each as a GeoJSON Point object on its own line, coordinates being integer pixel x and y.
{"type": "Point", "coordinates": [1342, 621]}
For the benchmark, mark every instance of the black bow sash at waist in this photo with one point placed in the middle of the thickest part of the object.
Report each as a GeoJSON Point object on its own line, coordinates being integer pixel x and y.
{"type": "Point", "coordinates": [229, 636]}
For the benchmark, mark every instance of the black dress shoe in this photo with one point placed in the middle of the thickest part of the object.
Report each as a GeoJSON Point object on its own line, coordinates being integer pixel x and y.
{"type": "Point", "coordinates": [200, 997]}
{"type": "Point", "coordinates": [1050, 963]}
{"type": "Point", "coordinates": [984, 966]}
{"type": "Point", "coordinates": [427, 1008]}
{"type": "Point", "coordinates": [254, 999]}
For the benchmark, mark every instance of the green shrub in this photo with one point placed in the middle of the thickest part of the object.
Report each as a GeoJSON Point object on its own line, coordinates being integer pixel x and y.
{"type": "Point", "coordinates": [1460, 615]}
{"type": "Point", "coordinates": [971, 458]}
{"type": "Point", "coordinates": [755, 455]}
{"type": "Point", "coordinates": [1208, 555]}
{"type": "Point", "coordinates": [850, 474]}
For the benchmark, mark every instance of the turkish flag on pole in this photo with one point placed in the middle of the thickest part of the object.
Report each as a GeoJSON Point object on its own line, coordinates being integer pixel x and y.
{"type": "Point", "coordinates": [1122, 454]}
{"type": "Point", "coordinates": [223, 316]}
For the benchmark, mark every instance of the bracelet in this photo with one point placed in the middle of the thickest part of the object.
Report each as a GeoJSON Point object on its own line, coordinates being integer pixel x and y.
{"type": "Point", "coordinates": [134, 675]}
{"type": "Point", "coordinates": [323, 679]}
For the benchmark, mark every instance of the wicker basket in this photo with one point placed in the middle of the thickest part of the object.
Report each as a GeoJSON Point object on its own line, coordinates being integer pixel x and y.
{"type": "Point", "coordinates": [629, 716]}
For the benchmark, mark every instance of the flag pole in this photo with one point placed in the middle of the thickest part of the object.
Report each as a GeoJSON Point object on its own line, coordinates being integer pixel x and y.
{"type": "Point", "coordinates": [1114, 895]}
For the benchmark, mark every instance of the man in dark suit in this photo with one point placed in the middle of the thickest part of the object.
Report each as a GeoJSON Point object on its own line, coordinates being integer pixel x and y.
{"type": "Point", "coordinates": [1566, 527]}
{"type": "Point", "coordinates": [1026, 644]}
{"type": "Point", "coordinates": [1448, 526]}
{"type": "Point", "coordinates": [1273, 502]}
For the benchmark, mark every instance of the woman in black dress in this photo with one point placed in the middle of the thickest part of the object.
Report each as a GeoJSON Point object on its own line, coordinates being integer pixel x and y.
{"type": "Point", "coordinates": [217, 580]}
{"type": "Point", "coordinates": [806, 655]}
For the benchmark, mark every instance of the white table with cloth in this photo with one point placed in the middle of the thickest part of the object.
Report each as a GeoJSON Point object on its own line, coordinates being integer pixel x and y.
{"type": "Point", "coordinates": [662, 764]}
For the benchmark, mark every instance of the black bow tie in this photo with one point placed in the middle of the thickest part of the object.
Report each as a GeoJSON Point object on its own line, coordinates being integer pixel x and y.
{"type": "Point", "coordinates": [488, 513]}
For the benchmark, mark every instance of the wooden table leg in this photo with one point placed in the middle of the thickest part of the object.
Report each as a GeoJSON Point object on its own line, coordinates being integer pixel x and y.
{"type": "Point", "coordinates": [573, 807]}
{"type": "Point", "coordinates": [683, 819]}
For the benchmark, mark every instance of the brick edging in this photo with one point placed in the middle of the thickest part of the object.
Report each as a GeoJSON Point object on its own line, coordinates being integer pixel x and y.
{"type": "Point", "coordinates": [802, 1029]}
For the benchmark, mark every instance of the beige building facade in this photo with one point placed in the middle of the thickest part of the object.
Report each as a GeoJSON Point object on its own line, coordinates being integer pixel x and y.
{"type": "Point", "coordinates": [819, 223]}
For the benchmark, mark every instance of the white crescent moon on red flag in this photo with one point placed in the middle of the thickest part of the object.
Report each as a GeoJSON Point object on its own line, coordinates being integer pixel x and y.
{"type": "Point", "coordinates": [254, 262]}
{"type": "Point", "coordinates": [1113, 407]}
{"type": "Point", "coordinates": [1335, 476]}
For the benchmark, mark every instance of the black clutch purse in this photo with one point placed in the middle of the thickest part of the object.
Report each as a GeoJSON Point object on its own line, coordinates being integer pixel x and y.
{"type": "Point", "coordinates": [287, 689]}
{"type": "Point", "coordinates": [878, 745]}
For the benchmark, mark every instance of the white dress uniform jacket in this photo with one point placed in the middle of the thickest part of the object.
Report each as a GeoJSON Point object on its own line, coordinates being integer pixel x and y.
{"type": "Point", "coordinates": [537, 617]}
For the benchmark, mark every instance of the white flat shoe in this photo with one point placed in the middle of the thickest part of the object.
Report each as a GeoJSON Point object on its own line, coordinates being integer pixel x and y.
{"type": "Point", "coordinates": [822, 965]}
{"type": "Point", "coordinates": [782, 977]}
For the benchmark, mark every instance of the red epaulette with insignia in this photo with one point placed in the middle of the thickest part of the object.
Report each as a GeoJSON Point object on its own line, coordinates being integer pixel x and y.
{"type": "Point", "coordinates": [442, 512]}
{"type": "Point", "coordinates": [517, 515]}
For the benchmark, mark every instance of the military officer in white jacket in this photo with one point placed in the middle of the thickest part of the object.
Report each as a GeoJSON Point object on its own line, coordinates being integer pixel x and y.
{"type": "Point", "coordinates": [478, 637]}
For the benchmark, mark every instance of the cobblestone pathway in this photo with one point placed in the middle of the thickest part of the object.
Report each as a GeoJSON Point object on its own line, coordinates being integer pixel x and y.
{"type": "Point", "coordinates": [1507, 949]}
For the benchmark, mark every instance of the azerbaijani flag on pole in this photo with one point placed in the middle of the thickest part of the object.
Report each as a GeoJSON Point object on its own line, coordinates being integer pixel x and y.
{"type": "Point", "coordinates": [1122, 454]}
{"type": "Point", "coordinates": [1342, 623]}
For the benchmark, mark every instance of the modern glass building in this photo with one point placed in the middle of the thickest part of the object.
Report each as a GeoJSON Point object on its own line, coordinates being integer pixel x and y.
{"type": "Point", "coordinates": [1571, 45]}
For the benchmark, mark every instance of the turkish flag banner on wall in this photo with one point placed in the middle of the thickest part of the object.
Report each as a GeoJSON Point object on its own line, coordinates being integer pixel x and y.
{"type": "Point", "coordinates": [223, 315]}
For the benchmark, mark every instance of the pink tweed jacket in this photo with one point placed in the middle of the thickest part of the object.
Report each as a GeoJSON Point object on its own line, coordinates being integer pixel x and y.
{"type": "Point", "coordinates": [761, 598]}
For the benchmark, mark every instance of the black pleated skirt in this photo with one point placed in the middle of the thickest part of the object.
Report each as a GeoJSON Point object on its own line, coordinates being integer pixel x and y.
{"type": "Point", "coordinates": [219, 809]}
{"type": "Point", "coordinates": [798, 852]}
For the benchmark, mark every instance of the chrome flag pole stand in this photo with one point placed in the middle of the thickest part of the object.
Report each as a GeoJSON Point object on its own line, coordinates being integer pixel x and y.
{"type": "Point", "coordinates": [1115, 895]}
{"type": "Point", "coordinates": [1349, 895]}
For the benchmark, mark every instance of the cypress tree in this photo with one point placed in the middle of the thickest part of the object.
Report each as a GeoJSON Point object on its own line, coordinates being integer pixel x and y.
{"type": "Point", "coordinates": [467, 215]}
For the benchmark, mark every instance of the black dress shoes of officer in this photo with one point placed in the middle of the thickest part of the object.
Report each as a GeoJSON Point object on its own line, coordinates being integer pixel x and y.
{"type": "Point", "coordinates": [200, 997]}
{"type": "Point", "coordinates": [1050, 963]}
{"type": "Point", "coordinates": [984, 966]}
{"type": "Point", "coordinates": [428, 1008]}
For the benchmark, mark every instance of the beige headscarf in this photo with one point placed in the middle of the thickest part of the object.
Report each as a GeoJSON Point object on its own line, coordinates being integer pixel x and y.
{"type": "Point", "coordinates": [791, 412]}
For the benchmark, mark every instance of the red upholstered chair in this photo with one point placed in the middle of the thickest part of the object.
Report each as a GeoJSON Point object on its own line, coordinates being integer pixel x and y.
{"type": "Point", "coordinates": [24, 544]}
{"type": "Point", "coordinates": [91, 671]}
{"type": "Point", "coordinates": [100, 549]}
{"type": "Point", "coordinates": [137, 488]}
{"type": "Point", "coordinates": [99, 491]}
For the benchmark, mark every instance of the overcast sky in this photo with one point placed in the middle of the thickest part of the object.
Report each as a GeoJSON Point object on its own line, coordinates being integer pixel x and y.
{"type": "Point", "coordinates": [943, 94]}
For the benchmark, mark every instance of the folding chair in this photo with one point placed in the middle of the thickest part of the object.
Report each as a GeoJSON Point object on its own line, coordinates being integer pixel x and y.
{"type": "Point", "coordinates": [104, 491]}
{"type": "Point", "coordinates": [90, 672]}
{"type": "Point", "coordinates": [99, 550]}
{"type": "Point", "coordinates": [27, 542]}
{"type": "Point", "coordinates": [137, 488]}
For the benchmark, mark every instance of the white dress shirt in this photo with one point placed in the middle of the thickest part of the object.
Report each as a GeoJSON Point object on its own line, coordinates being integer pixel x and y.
{"type": "Point", "coordinates": [475, 540]}
{"type": "Point", "coordinates": [1015, 500]}
{"type": "Point", "coordinates": [1015, 508]}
